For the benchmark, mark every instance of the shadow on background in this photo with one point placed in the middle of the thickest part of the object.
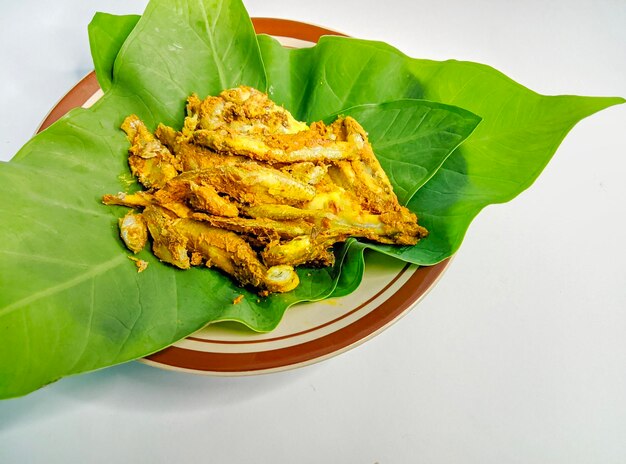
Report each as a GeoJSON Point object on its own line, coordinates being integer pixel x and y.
{"type": "Point", "coordinates": [144, 389]}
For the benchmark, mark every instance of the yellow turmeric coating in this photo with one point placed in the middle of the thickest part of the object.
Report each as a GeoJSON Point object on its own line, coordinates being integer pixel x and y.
{"type": "Point", "coordinates": [248, 189]}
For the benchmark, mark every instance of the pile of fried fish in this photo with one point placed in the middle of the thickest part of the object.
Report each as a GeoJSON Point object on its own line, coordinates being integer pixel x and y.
{"type": "Point", "coordinates": [246, 188]}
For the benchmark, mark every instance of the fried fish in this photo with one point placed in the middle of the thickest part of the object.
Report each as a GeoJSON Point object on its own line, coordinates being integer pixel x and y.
{"type": "Point", "coordinates": [248, 189]}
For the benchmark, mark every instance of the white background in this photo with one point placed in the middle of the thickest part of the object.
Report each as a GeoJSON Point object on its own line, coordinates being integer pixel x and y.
{"type": "Point", "coordinates": [518, 355]}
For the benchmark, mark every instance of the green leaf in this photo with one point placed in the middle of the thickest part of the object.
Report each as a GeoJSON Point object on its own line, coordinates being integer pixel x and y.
{"type": "Point", "coordinates": [336, 74]}
{"type": "Point", "coordinates": [352, 270]}
{"type": "Point", "coordinates": [520, 132]}
{"type": "Point", "coordinates": [71, 301]}
{"type": "Point", "coordinates": [107, 33]}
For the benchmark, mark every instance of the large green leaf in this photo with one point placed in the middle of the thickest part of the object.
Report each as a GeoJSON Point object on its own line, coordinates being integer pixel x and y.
{"type": "Point", "coordinates": [520, 132]}
{"type": "Point", "coordinates": [71, 300]}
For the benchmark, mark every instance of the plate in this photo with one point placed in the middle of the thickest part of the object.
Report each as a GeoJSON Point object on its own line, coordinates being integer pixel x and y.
{"type": "Point", "coordinates": [309, 332]}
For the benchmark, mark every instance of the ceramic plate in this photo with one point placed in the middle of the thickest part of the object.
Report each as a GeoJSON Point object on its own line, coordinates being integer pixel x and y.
{"type": "Point", "coordinates": [309, 332]}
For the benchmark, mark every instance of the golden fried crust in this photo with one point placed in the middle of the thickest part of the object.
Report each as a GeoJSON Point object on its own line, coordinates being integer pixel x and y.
{"type": "Point", "coordinates": [283, 212]}
{"type": "Point", "coordinates": [150, 161]}
{"type": "Point", "coordinates": [168, 137]}
{"type": "Point", "coordinates": [133, 231]}
{"type": "Point", "coordinates": [132, 200]}
{"type": "Point", "coordinates": [300, 250]}
{"type": "Point", "coordinates": [183, 242]}
{"type": "Point", "coordinates": [168, 243]}
{"type": "Point", "coordinates": [306, 171]}
{"type": "Point", "coordinates": [205, 198]}
{"type": "Point", "coordinates": [192, 157]}
{"type": "Point", "coordinates": [246, 188]}
{"type": "Point", "coordinates": [252, 183]}
{"type": "Point", "coordinates": [245, 110]}
{"type": "Point", "coordinates": [277, 148]}
{"type": "Point", "coordinates": [364, 175]}
{"type": "Point", "coordinates": [223, 249]}
{"type": "Point", "coordinates": [244, 121]}
{"type": "Point", "coordinates": [229, 252]}
{"type": "Point", "coordinates": [263, 228]}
